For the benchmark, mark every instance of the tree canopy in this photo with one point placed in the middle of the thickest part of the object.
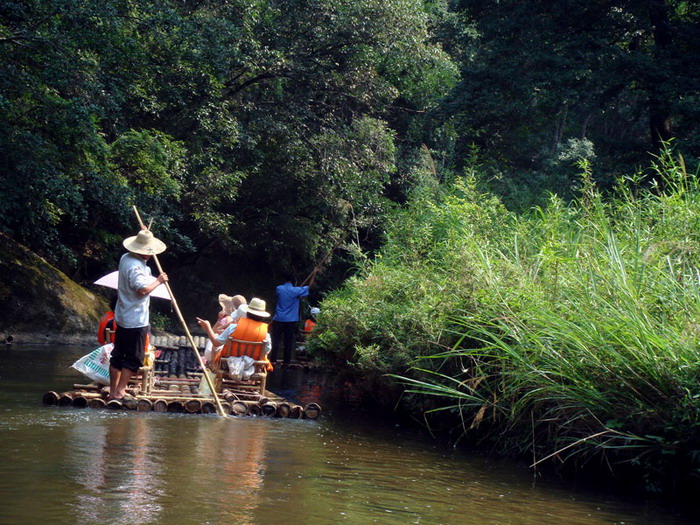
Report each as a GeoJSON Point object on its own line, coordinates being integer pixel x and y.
{"type": "Point", "coordinates": [255, 124]}
{"type": "Point", "coordinates": [283, 128]}
{"type": "Point", "coordinates": [544, 83]}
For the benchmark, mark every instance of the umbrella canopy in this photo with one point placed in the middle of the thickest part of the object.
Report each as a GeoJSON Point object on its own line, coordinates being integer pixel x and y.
{"type": "Point", "coordinates": [111, 280]}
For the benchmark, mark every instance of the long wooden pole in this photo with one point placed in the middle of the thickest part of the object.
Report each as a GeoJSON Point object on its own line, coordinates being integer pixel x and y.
{"type": "Point", "coordinates": [219, 408]}
{"type": "Point", "coordinates": [320, 264]}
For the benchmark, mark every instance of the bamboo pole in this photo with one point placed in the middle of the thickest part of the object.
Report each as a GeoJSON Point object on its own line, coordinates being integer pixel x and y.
{"type": "Point", "coordinates": [80, 402]}
{"type": "Point", "coordinates": [322, 262]}
{"type": "Point", "coordinates": [65, 400]}
{"type": "Point", "coordinates": [208, 407]}
{"type": "Point", "coordinates": [144, 405]}
{"type": "Point", "coordinates": [312, 411]}
{"type": "Point", "coordinates": [193, 406]}
{"type": "Point", "coordinates": [269, 408]}
{"type": "Point", "coordinates": [87, 387]}
{"type": "Point", "coordinates": [219, 408]}
{"type": "Point", "coordinates": [82, 399]}
{"type": "Point", "coordinates": [239, 408]}
{"type": "Point", "coordinates": [114, 404]}
{"type": "Point", "coordinates": [97, 402]}
{"type": "Point", "coordinates": [283, 409]}
{"type": "Point", "coordinates": [178, 380]}
{"type": "Point", "coordinates": [50, 398]}
{"type": "Point", "coordinates": [175, 406]}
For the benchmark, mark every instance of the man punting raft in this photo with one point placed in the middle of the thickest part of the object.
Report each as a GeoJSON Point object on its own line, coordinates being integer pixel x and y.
{"type": "Point", "coordinates": [131, 313]}
{"type": "Point", "coordinates": [241, 361]}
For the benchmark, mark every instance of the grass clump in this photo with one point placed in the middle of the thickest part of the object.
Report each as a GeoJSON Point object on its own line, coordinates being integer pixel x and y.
{"type": "Point", "coordinates": [570, 332]}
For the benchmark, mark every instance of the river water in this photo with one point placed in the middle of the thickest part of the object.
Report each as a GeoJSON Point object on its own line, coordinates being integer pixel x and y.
{"type": "Point", "coordinates": [68, 465]}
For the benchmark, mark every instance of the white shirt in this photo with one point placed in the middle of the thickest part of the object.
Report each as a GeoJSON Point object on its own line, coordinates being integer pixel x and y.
{"type": "Point", "coordinates": [132, 309]}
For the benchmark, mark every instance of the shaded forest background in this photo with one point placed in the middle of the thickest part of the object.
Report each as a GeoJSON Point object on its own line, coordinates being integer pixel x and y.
{"type": "Point", "coordinates": [262, 136]}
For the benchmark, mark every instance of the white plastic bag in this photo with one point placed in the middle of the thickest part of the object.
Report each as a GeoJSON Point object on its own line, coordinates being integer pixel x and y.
{"type": "Point", "coordinates": [241, 368]}
{"type": "Point", "coordinates": [95, 365]}
{"type": "Point", "coordinates": [204, 384]}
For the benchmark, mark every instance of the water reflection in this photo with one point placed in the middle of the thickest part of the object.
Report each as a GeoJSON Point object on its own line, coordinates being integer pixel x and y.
{"type": "Point", "coordinates": [234, 455]}
{"type": "Point", "coordinates": [148, 468]}
{"type": "Point", "coordinates": [116, 462]}
{"type": "Point", "coordinates": [92, 466]}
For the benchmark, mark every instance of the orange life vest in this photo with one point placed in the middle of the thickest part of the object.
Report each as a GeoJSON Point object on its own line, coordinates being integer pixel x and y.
{"type": "Point", "coordinates": [107, 322]}
{"type": "Point", "coordinates": [246, 330]}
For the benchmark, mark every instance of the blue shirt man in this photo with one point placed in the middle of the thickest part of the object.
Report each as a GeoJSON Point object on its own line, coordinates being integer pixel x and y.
{"type": "Point", "coordinates": [286, 318]}
{"type": "Point", "coordinates": [287, 309]}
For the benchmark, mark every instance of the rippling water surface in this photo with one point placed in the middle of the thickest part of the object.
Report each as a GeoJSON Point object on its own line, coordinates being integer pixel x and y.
{"type": "Point", "coordinates": [98, 466]}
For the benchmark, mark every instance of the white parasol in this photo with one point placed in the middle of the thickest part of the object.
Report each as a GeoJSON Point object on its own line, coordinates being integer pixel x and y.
{"type": "Point", "coordinates": [111, 281]}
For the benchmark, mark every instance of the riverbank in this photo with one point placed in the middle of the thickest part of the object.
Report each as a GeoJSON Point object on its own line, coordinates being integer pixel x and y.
{"type": "Point", "coordinates": [9, 336]}
{"type": "Point", "coordinates": [566, 335]}
{"type": "Point", "coordinates": [39, 303]}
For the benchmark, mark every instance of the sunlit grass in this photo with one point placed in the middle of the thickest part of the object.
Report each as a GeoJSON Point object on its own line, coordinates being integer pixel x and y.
{"type": "Point", "coordinates": [570, 331]}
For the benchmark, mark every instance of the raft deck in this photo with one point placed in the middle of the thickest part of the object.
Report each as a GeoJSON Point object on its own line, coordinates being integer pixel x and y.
{"type": "Point", "coordinates": [172, 385]}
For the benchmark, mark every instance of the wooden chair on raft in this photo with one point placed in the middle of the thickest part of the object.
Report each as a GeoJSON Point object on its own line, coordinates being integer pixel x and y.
{"type": "Point", "coordinates": [257, 381]}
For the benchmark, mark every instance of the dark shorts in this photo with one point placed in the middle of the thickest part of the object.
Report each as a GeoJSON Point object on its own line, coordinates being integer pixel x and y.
{"type": "Point", "coordinates": [129, 348]}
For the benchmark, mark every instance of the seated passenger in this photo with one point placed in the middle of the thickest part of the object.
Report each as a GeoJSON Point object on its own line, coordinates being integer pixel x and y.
{"type": "Point", "coordinates": [107, 323]}
{"type": "Point", "coordinates": [310, 323]}
{"type": "Point", "coordinates": [250, 327]}
{"type": "Point", "coordinates": [227, 315]}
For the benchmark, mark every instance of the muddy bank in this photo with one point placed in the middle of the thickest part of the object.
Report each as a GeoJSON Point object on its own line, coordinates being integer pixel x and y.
{"type": "Point", "coordinates": [10, 336]}
{"type": "Point", "coordinates": [40, 304]}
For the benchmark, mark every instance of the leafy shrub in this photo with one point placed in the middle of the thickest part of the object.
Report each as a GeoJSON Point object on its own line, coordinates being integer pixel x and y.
{"type": "Point", "coordinates": [571, 330]}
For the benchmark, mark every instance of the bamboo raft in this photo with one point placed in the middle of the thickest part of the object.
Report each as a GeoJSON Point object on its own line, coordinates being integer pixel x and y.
{"type": "Point", "coordinates": [172, 385]}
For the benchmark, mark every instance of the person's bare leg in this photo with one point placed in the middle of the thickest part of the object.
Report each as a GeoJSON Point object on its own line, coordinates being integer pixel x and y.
{"type": "Point", "coordinates": [123, 381]}
{"type": "Point", "coordinates": [114, 377]}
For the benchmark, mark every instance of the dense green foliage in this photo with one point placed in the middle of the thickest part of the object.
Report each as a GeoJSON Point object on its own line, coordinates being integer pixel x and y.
{"type": "Point", "coordinates": [276, 130]}
{"type": "Point", "coordinates": [259, 126]}
{"type": "Point", "coordinates": [569, 331]}
{"type": "Point", "coordinates": [543, 83]}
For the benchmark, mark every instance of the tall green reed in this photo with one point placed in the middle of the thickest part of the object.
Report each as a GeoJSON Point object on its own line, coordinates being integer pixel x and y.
{"type": "Point", "coordinates": [570, 331]}
{"type": "Point", "coordinates": [587, 327]}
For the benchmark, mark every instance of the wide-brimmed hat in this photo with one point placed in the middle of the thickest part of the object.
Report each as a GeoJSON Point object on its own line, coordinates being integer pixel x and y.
{"type": "Point", "coordinates": [230, 303]}
{"type": "Point", "coordinates": [144, 243]}
{"type": "Point", "coordinates": [256, 306]}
